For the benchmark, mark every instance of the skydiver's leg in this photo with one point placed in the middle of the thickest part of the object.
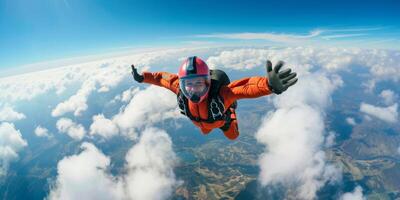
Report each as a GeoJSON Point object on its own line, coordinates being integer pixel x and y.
{"type": "Point", "coordinates": [231, 129]}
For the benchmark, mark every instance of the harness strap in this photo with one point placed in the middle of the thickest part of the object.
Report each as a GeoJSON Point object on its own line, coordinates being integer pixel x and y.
{"type": "Point", "coordinates": [215, 109]}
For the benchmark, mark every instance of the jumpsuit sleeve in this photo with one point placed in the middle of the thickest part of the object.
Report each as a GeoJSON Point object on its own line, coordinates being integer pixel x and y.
{"type": "Point", "coordinates": [251, 87]}
{"type": "Point", "coordinates": [162, 79]}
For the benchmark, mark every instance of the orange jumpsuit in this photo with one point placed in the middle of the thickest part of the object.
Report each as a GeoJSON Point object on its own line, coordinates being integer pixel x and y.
{"type": "Point", "coordinates": [251, 87]}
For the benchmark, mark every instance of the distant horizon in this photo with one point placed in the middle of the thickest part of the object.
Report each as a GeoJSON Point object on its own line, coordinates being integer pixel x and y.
{"type": "Point", "coordinates": [82, 59]}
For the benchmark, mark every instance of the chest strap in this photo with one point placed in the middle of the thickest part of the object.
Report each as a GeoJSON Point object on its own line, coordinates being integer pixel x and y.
{"type": "Point", "coordinates": [215, 107]}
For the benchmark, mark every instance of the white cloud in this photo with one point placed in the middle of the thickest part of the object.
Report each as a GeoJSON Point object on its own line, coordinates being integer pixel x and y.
{"type": "Point", "coordinates": [369, 85]}
{"type": "Point", "coordinates": [76, 103]}
{"type": "Point", "coordinates": [285, 38]}
{"type": "Point", "coordinates": [84, 176]}
{"type": "Point", "coordinates": [355, 195]}
{"type": "Point", "coordinates": [7, 113]}
{"type": "Point", "coordinates": [109, 74]}
{"type": "Point", "coordinates": [388, 96]}
{"type": "Point", "coordinates": [388, 114]}
{"type": "Point", "coordinates": [301, 59]}
{"type": "Point", "coordinates": [294, 136]}
{"type": "Point", "coordinates": [28, 86]}
{"type": "Point", "coordinates": [361, 29]}
{"type": "Point", "coordinates": [239, 59]}
{"type": "Point", "coordinates": [127, 95]}
{"type": "Point", "coordinates": [150, 167]}
{"type": "Point", "coordinates": [103, 126]}
{"type": "Point", "coordinates": [149, 106]}
{"type": "Point", "coordinates": [342, 36]}
{"type": "Point", "coordinates": [316, 38]}
{"type": "Point", "coordinates": [149, 172]}
{"type": "Point", "coordinates": [382, 64]}
{"type": "Point", "coordinates": [11, 142]}
{"type": "Point", "coordinates": [330, 139]}
{"type": "Point", "coordinates": [351, 121]}
{"type": "Point", "coordinates": [42, 132]}
{"type": "Point", "coordinates": [74, 130]}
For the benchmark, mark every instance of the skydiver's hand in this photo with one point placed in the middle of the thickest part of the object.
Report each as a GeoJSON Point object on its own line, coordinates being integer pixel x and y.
{"type": "Point", "coordinates": [139, 78]}
{"type": "Point", "coordinates": [280, 82]}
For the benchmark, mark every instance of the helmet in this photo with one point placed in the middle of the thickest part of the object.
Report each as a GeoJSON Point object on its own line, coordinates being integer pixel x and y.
{"type": "Point", "coordinates": [194, 79]}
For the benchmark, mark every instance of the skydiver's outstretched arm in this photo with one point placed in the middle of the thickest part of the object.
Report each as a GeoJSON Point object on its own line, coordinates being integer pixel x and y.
{"type": "Point", "coordinates": [253, 87]}
{"type": "Point", "coordinates": [250, 87]}
{"type": "Point", "coordinates": [162, 79]}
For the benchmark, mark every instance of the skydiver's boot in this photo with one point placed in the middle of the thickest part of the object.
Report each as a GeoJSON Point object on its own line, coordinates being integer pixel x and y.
{"type": "Point", "coordinates": [230, 129]}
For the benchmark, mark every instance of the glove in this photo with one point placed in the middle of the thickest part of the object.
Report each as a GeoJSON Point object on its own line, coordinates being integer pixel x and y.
{"type": "Point", "coordinates": [139, 78]}
{"type": "Point", "coordinates": [280, 82]}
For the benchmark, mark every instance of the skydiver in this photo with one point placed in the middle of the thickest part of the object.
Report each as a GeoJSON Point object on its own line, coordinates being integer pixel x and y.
{"type": "Point", "coordinates": [209, 99]}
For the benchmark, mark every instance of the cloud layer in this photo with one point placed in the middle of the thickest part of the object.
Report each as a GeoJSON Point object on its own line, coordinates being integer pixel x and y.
{"type": "Point", "coordinates": [294, 133]}
{"type": "Point", "coordinates": [150, 167]}
{"type": "Point", "coordinates": [387, 114]}
{"type": "Point", "coordinates": [149, 172]}
{"type": "Point", "coordinates": [74, 130]}
{"type": "Point", "coordinates": [294, 136]}
{"type": "Point", "coordinates": [355, 195]}
{"type": "Point", "coordinates": [103, 126]}
{"type": "Point", "coordinates": [319, 37]}
{"type": "Point", "coordinates": [381, 64]}
{"type": "Point", "coordinates": [351, 121]}
{"type": "Point", "coordinates": [388, 96]}
{"type": "Point", "coordinates": [8, 114]}
{"type": "Point", "coordinates": [147, 107]}
{"type": "Point", "coordinates": [42, 132]}
{"type": "Point", "coordinates": [11, 142]}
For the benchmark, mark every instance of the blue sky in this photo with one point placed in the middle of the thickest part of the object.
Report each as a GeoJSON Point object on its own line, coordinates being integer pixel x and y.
{"type": "Point", "coordinates": [41, 30]}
